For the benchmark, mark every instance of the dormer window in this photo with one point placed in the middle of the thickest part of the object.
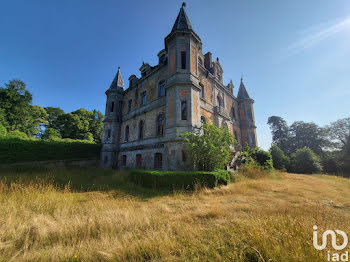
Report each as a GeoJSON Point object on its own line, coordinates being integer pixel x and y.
{"type": "Point", "coordinates": [143, 73]}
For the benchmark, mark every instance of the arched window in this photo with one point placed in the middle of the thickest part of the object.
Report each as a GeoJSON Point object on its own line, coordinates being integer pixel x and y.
{"type": "Point", "coordinates": [141, 129]}
{"type": "Point", "coordinates": [160, 125]}
{"type": "Point", "coordinates": [161, 88]}
{"type": "Point", "coordinates": [127, 134]}
{"type": "Point", "coordinates": [218, 100]}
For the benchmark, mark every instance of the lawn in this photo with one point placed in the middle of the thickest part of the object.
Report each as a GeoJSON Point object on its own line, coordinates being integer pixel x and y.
{"type": "Point", "coordinates": [96, 215]}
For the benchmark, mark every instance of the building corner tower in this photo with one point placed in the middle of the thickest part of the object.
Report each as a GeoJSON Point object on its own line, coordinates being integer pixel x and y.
{"type": "Point", "coordinates": [112, 122]}
{"type": "Point", "coordinates": [246, 116]}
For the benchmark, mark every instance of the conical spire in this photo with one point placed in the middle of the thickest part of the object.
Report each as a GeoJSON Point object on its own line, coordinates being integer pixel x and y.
{"type": "Point", "coordinates": [182, 22]}
{"type": "Point", "coordinates": [118, 82]}
{"type": "Point", "coordinates": [242, 92]}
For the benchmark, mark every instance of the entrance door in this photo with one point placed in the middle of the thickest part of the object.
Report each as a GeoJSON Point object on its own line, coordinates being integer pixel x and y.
{"type": "Point", "coordinates": [138, 161]}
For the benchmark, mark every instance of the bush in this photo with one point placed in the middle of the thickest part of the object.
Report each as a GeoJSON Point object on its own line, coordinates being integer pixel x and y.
{"type": "Point", "coordinates": [279, 159]}
{"type": "Point", "coordinates": [17, 134]}
{"type": "Point", "coordinates": [51, 134]}
{"type": "Point", "coordinates": [15, 150]}
{"type": "Point", "coordinates": [179, 179]}
{"type": "Point", "coordinates": [3, 130]}
{"type": "Point", "coordinates": [305, 161]}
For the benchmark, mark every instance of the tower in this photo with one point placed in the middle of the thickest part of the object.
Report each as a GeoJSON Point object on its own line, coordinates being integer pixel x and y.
{"type": "Point", "coordinates": [246, 115]}
{"type": "Point", "coordinates": [182, 88]}
{"type": "Point", "coordinates": [112, 122]}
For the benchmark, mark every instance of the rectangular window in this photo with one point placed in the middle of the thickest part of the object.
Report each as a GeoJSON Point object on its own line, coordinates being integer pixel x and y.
{"type": "Point", "coordinates": [129, 105]}
{"type": "Point", "coordinates": [183, 59]}
{"type": "Point", "coordinates": [112, 106]}
{"type": "Point", "coordinates": [143, 98]}
{"type": "Point", "coordinates": [158, 161]}
{"type": "Point", "coordinates": [183, 110]}
{"type": "Point", "coordinates": [108, 133]}
{"type": "Point", "coordinates": [202, 90]}
{"type": "Point", "coordinates": [124, 160]}
{"type": "Point", "coordinates": [249, 114]}
{"type": "Point", "coordinates": [161, 88]}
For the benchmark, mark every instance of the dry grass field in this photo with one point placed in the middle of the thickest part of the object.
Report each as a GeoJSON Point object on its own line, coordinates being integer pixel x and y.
{"type": "Point", "coordinates": [262, 219]}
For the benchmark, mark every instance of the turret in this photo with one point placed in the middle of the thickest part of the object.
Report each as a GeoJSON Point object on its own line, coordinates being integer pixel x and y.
{"type": "Point", "coordinates": [112, 122]}
{"type": "Point", "coordinates": [246, 116]}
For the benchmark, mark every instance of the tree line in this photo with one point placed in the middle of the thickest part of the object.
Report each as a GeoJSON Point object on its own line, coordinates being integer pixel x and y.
{"type": "Point", "coordinates": [19, 118]}
{"type": "Point", "coordinates": [308, 148]}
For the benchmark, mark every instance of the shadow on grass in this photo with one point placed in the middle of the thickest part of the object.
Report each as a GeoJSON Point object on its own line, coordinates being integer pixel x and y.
{"type": "Point", "coordinates": [80, 180]}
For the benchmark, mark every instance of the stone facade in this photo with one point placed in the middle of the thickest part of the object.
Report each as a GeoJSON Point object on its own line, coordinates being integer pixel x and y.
{"type": "Point", "coordinates": [185, 88]}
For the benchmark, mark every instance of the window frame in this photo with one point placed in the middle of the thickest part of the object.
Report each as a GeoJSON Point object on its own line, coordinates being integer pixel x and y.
{"type": "Point", "coordinates": [184, 113]}
{"type": "Point", "coordinates": [141, 130]}
{"type": "Point", "coordinates": [158, 161]}
{"type": "Point", "coordinates": [126, 133]}
{"type": "Point", "coordinates": [161, 86]}
{"type": "Point", "coordinates": [143, 98]}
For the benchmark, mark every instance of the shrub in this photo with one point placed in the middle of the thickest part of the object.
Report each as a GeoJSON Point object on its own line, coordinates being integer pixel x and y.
{"type": "Point", "coordinates": [262, 157]}
{"type": "Point", "coordinates": [305, 161]}
{"type": "Point", "coordinates": [209, 148]}
{"type": "Point", "coordinates": [179, 179]}
{"type": "Point", "coordinates": [17, 134]}
{"type": "Point", "coordinates": [51, 134]}
{"type": "Point", "coordinates": [3, 130]}
{"type": "Point", "coordinates": [279, 159]}
{"type": "Point", "coordinates": [15, 150]}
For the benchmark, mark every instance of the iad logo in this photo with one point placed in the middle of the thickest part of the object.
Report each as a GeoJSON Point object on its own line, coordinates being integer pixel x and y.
{"type": "Point", "coordinates": [332, 256]}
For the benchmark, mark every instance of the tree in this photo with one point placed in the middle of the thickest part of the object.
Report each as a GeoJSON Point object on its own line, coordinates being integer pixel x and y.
{"type": "Point", "coordinates": [70, 126]}
{"type": "Point", "coordinates": [53, 114]}
{"type": "Point", "coordinates": [309, 135]}
{"type": "Point", "coordinates": [280, 133]}
{"type": "Point", "coordinates": [209, 147]}
{"type": "Point", "coordinates": [17, 112]}
{"type": "Point", "coordinates": [262, 158]}
{"type": "Point", "coordinates": [94, 121]}
{"type": "Point", "coordinates": [50, 134]}
{"type": "Point", "coordinates": [280, 160]}
{"type": "Point", "coordinates": [305, 161]}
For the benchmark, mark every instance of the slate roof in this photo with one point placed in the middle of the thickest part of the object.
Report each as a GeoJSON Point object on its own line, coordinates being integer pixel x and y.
{"type": "Point", "coordinates": [182, 22]}
{"type": "Point", "coordinates": [242, 91]}
{"type": "Point", "coordinates": [118, 82]}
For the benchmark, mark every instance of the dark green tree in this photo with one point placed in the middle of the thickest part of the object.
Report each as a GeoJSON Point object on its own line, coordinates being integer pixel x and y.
{"type": "Point", "coordinates": [309, 135]}
{"type": "Point", "coordinates": [70, 126]}
{"type": "Point", "coordinates": [53, 114]}
{"type": "Point", "coordinates": [280, 133]}
{"type": "Point", "coordinates": [305, 161]}
{"type": "Point", "coordinates": [280, 160]}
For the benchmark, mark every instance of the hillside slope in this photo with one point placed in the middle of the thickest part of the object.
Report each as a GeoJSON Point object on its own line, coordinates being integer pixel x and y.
{"type": "Point", "coordinates": [268, 219]}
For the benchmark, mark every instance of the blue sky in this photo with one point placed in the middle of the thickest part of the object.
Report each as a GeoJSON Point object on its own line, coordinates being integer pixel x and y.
{"type": "Point", "coordinates": [294, 55]}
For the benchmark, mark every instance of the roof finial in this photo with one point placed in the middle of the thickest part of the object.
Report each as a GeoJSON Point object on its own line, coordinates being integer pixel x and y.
{"type": "Point", "coordinates": [183, 4]}
{"type": "Point", "coordinates": [241, 77]}
{"type": "Point", "coordinates": [118, 67]}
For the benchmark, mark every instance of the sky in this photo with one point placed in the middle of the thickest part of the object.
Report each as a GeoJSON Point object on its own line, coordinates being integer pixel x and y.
{"type": "Point", "coordinates": [294, 55]}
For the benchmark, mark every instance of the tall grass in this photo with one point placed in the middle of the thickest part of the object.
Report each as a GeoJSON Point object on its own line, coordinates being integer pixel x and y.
{"type": "Point", "coordinates": [95, 215]}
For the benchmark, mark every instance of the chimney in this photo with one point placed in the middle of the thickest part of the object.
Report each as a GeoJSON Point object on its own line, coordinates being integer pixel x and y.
{"type": "Point", "coordinates": [207, 61]}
